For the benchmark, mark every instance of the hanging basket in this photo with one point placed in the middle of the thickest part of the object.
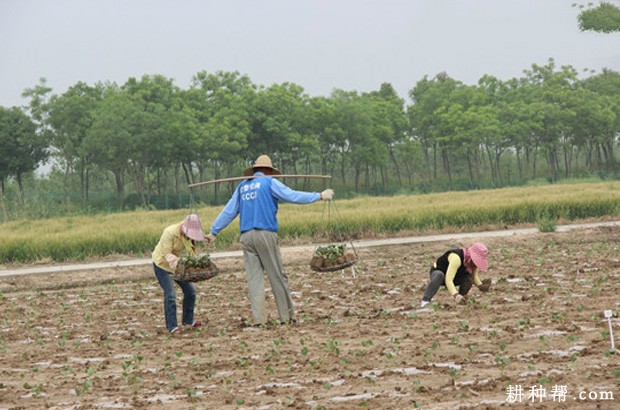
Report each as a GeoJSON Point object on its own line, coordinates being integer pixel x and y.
{"type": "Point", "coordinates": [332, 258]}
{"type": "Point", "coordinates": [196, 269]}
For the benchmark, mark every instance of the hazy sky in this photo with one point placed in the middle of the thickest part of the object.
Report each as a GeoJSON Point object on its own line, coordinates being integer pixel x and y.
{"type": "Point", "coordinates": [318, 44]}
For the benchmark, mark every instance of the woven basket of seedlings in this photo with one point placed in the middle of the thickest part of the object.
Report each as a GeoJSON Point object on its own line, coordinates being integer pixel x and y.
{"type": "Point", "coordinates": [332, 257]}
{"type": "Point", "coordinates": [196, 268]}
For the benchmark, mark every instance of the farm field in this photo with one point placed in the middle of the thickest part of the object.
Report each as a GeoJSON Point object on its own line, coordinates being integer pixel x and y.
{"type": "Point", "coordinates": [96, 339]}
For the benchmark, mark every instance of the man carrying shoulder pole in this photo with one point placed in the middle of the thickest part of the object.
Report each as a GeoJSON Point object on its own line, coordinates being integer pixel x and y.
{"type": "Point", "coordinates": [256, 200]}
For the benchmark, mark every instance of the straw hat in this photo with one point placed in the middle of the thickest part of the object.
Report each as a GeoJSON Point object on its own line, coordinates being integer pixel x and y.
{"type": "Point", "coordinates": [192, 228]}
{"type": "Point", "coordinates": [480, 255]}
{"type": "Point", "coordinates": [261, 162]}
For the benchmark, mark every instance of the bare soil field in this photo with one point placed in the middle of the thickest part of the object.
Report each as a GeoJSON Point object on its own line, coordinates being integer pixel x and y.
{"type": "Point", "coordinates": [96, 339]}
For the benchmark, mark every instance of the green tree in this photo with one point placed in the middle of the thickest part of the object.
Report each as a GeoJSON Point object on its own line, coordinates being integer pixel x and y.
{"type": "Point", "coordinates": [23, 148]}
{"type": "Point", "coordinates": [607, 84]}
{"type": "Point", "coordinates": [222, 102]}
{"type": "Point", "coordinates": [37, 104]}
{"type": "Point", "coordinates": [519, 117]}
{"type": "Point", "coordinates": [427, 97]}
{"type": "Point", "coordinates": [409, 153]}
{"type": "Point", "coordinates": [322, 124]}
{"type": "Point", "coordinates": [603, 18]}
{"type": "Point", "coordinates": [110, 139]}
{"type": "Point", "coordinates": [453, 129]}
{"type": "Point", "coordinates": [592, 121]}
{"type": "Point", "coordinates": [277, 119]}
{"type": "Point", "coordinates": [150, 142]}
{"type": "Point", "coordinates": [497, 130]}
{"type": "Point", "coordinates": [183, 148]}
{"type": "Point", "coordinates": [70, 119]}
{"type": "Point", "coordinates": [390, 124]}
{"type": "Point", "coordinates": [553, 89]}
{"type": "Point", "coordinates": [358, 142]}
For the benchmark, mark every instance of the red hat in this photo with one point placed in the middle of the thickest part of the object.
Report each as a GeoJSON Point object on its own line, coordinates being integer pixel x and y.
{"type": "Point", "coordinates": [480, 255]}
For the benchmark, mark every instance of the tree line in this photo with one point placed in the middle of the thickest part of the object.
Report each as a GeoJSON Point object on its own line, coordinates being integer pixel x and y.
{"type": "Point", "coordinates": [149, 137]}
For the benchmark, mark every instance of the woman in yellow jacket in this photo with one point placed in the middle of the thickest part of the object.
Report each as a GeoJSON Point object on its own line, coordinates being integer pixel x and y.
{"type": "Point", "coordinates": [176, 240]}
{"type": "Point", "coordinates": [458, 267]}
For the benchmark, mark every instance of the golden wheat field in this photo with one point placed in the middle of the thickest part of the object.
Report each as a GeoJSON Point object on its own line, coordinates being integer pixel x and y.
{"type": "Point", "coordinates": [136, 233]}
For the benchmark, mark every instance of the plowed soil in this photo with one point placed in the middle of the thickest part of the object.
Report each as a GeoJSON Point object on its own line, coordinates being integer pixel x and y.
{"type": "Point", "coordinates": [96, 339]}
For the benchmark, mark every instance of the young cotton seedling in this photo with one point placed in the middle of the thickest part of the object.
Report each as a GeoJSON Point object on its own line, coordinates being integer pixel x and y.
{"type": "Point", "coordinates": [199, 261]}
{"type": "Point", "coordinates": [331, 252]}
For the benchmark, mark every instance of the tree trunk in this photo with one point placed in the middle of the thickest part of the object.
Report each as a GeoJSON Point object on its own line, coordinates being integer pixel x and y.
{"type": "Point", "coordinates": [138, 176]}
{"type": "Point", "coordinates": [498, 154]}
{"type": "Point", "coordinates": [427, 162]}
{"type": "Point", "coordinates": [82, 182]}
{"type": "Point", "coordinates": [176, 179]}
{"type": "Point", "coordinates": [493, 175]}
{"type": "Point", "coordinates": [396, 167]}
{"type": "Point", "coordinates": [567, 160]}
{"type": "Point", "coordinates": [552, 163]}
{"type": "Point", "coordinates": [120, 188]}
{"type": "Point", "coordinates": [470, 169]}
{"type": "Point", "coordinates": [305, 165]}
{"type": "Point", "coordinates": [518, 154]}
{"type": "Point", "coordinates": [409, 172]}
{"type": "Point", "coordinates": [434, 160]}
{"type": "Point", "coordinates": [65, 180]}
{"type": "Point", "coordinates": [599, 157]}
{"type": "Point", "coordinates": [384, 177]}
{"type": "Point", "coordinates": [5, 213]}
{"type": "Point", "coordinates": [217, 174]}
{"type": "Point", "coordinates": [446, 162]}
{"type": "Point", "coordinates": [20, 184]}
{"type": "Point", "coordinates": [188, 177]}
{"type": "Point", "coordinates": [87, 186]}
{"type": "Point", "coordinates": [534, 156]}
{"type": "Point", "coordinates": [610, 152]}
{"type": "Point", "coordinates": [605, 156]}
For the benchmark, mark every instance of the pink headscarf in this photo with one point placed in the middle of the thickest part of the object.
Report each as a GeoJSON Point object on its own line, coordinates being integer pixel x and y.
{"type": "Point", "coordinates": [476, 256]}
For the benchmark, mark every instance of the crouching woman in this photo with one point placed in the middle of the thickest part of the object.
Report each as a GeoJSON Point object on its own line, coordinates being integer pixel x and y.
{"type": "Point", "coordinates": [458, 267]}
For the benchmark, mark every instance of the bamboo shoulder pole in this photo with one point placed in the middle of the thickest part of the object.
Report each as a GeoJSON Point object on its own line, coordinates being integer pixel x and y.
{"type": "Point", "coordinates": [215, 181]}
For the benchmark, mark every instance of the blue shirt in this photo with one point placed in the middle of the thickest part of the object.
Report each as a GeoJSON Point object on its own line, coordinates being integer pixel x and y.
{"type": "Point", "coordinates": [256, 201]}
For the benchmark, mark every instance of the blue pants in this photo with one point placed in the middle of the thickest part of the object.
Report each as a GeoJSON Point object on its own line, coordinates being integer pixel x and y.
{"type": "Point", "coordinates": [170, 303]}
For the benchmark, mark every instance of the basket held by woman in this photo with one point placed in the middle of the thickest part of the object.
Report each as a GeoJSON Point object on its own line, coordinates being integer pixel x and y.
{"type": "Point", "coordinates": [195, 269]}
